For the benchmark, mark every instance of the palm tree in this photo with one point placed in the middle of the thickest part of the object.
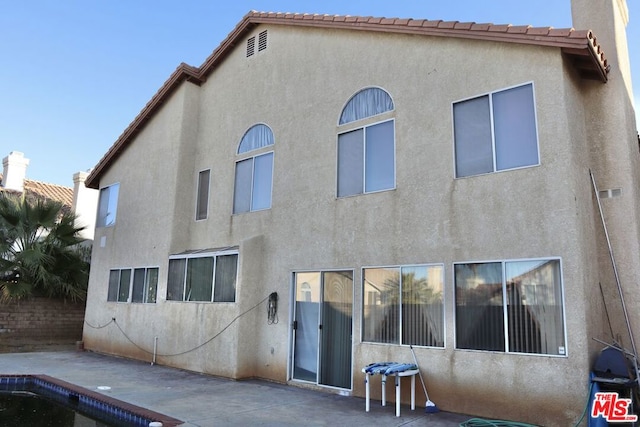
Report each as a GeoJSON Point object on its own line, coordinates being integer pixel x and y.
{"type": "Point", "coordinates": [40, 252]}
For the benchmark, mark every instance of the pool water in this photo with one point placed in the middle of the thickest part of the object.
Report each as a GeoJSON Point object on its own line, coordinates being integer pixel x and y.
{"type": "Point", "coordinates": [27, 409]}
{"type": "Point", "coordinates": [40, 400]}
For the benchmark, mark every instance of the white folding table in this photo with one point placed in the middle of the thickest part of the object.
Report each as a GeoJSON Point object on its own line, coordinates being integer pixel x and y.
{"type": "Point", "coordinates": [398, 375]}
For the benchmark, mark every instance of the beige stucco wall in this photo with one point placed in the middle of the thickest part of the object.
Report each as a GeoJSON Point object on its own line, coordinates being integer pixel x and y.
{"type": "Point", "coordinates": [298, 87]}
{"type": "Point", "coordinates": [613, 142]}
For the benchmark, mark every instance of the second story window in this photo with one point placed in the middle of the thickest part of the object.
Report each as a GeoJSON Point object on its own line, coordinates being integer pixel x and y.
{"type": "Point", "coordinates": [202, 200]}
{"type": "Point", "coordinates": [495, 132]}
{"type": "Point", "coordinates": [107, 206]}
{"type": "Point", "coordinates": [366, 153]}
{"type": "Point", "coordinates": [254, 170]}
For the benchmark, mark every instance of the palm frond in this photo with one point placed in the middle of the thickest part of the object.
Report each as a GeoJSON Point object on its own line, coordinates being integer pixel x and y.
{"type": "Point", "coordinates": [38, 250]}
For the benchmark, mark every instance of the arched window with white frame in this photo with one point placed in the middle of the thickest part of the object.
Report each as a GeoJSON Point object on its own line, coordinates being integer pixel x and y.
{"type": "Point", "coordinates": [366, 147]}
{"type": "Point", "coordinates": [254, 170]}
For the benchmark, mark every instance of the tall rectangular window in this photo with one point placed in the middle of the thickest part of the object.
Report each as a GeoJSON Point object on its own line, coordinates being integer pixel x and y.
{"type": "Point", "coordinates": [125, 285]}
{"type": "Point", "coordinates": [206, 277]}
{"type": "Point", "coordinates": [202, 200]}
{"type": "Point", "coordinates": [510, 306]}
{"type": "Point", "coordinates": [119, 285]}
{"type": "Point", "coordinates": [107, 206]}
{"type": "Point", "coordinates": [366, 159]}
{"type": "Point", "coordinates": [404, 305]}
{"type": "Point", "coordinates": [145, 285]}
{"type": "Point", "coordinates": [253, 183]}
{"type": "Point", "coordinates": [114, 284]}
{"type": "Point", "coordinates": [495, 132]}
{"type": "Point", "coordinates": [199, 283]}
{"type": "Point", "coordinates": [175, 280]}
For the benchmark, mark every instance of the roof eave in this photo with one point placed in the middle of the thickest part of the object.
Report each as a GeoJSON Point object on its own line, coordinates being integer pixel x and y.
{"type": "Point", "coordinates": [183, 72]}
{"type": "Point", "coordinates": [580, 46]}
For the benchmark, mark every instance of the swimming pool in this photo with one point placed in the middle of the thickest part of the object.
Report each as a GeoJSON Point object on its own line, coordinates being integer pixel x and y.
{"type": "Point", "coordinates": [93, 404]}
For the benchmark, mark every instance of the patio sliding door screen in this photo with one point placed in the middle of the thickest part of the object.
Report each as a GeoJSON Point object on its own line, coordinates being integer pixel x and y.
{"type": "Point", "coordinates": [322, 328]}
{"type": "Point", "coordinates": [335, 349]}
{"type": "Point", "coordinates": [307, 315]}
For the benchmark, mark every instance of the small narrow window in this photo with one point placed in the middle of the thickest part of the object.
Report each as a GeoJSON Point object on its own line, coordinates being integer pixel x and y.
{"type": "Point", "coordinates": [107, 206]}
{"type": "Point", "coordinates": [202, 203]}
{"type": "Point", "coordinates": [251, 46]}
{"type": "Point", "coordinates": [262, 41]}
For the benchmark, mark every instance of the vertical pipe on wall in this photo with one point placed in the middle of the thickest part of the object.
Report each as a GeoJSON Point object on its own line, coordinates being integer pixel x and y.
{"type": "Point", "coordinates": [155, 349]}
{"type": "Point", "coordinates": [615, 272]}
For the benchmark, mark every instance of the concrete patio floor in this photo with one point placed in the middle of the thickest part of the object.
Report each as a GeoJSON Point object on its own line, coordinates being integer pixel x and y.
{"type": "Point", "coordinates": [202, 400]}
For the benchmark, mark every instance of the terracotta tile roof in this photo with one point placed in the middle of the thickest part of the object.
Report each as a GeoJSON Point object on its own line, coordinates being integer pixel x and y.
{"type": "Point", "coordinates": [50, 191]}
{"type": "Point", "coordinates": [578, 45]}
{"type": "Point", "coordinates": [43, 190]}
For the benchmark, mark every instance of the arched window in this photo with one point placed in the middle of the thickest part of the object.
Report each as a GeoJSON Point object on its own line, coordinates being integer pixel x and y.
{"type": "Point", "coordinates": [256, 137]}
{"type": "Point", "coordinates": [254, 175]}
{"type": "Point", "coordinates": [366, 154]}
{"type": "Point", "coordinates": [366, 103]}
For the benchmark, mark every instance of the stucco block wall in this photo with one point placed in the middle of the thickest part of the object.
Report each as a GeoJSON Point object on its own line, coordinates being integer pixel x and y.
{"type": "Point", "coordinates": [41, 320]}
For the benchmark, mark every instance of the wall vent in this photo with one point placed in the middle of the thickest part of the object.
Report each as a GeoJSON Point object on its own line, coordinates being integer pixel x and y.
{"type": "Point", "coordinates": [251, 46]}
{"type": "Point", "coordinates": [607, 194]}
{"type": "Point", "coordinates": [262, 41]}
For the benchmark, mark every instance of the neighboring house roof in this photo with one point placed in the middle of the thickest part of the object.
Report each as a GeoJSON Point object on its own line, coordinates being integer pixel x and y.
{"type": "Point", "coordinates": [43, 190]}
{"type": "Point", "coordinates": [580, 46]}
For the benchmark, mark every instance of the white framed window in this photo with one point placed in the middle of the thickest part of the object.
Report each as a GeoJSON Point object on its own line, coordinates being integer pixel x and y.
{"type": "Point", "coordinates": [203, 276]}
{"type": "Point", "coordinates": [108, 206]}
{"type": "Point", "coordinates": [366, 154]}
{"type": "Point", "coordinates": [404, 305]}
{"type": "Point", "coordinates": [495, 132]}
{"type": "Point", "coordinates": [145, 285]}
{"type": "Point", "coordinates": [139, 287]}
{"type": "Point", "coordinates": [513, 306]}
{"type": "Point", "coordinates": [254, 175]}
{"type": "Point", "coordinates": [119, 285]}
{"type": "Point", "coordinates": [202, 197]}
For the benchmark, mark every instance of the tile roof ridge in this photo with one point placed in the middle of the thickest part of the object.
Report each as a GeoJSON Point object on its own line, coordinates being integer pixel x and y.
{"type": "Point", "coordinates": [438, 23]}
{"type": "Point", "coordinates": [46, 183]}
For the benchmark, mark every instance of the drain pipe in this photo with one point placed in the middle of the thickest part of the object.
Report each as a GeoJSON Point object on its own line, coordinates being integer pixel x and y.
{"type": "Point", "coordinates": [615, 272]}
{"type": "Point", "coordinates": [155, 349]}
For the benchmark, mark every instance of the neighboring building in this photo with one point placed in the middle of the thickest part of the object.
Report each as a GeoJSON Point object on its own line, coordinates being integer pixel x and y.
{"type": "Point", "coordinates": [80, 200]}
{"type": "Point", "coordinates": [396, 182]}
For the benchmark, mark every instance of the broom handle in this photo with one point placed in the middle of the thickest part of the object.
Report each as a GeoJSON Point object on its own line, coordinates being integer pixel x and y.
{"type": "Point", "coordinates": [419, 373]}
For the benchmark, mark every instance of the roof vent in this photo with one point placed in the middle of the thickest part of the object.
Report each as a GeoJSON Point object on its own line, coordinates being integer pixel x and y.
{"type": "Point", "coordinates": [606, 194]}
{"type": "Point", "coordinates": [251, 46]}
{"type": "Point", "coordinates": [262, 41]}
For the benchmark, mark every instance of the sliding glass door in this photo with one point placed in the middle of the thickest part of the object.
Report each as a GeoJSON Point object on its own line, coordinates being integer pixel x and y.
{"type": "Point", "coordinates": [322, 327]}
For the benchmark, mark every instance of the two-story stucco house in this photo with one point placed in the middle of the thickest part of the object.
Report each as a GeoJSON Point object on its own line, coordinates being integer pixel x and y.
{"type": "Point", "coordinates": [325, 191]}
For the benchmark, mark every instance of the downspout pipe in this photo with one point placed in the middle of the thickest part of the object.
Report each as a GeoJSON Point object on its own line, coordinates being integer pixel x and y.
{"type": "Point", "coordinates": [615, 271]}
